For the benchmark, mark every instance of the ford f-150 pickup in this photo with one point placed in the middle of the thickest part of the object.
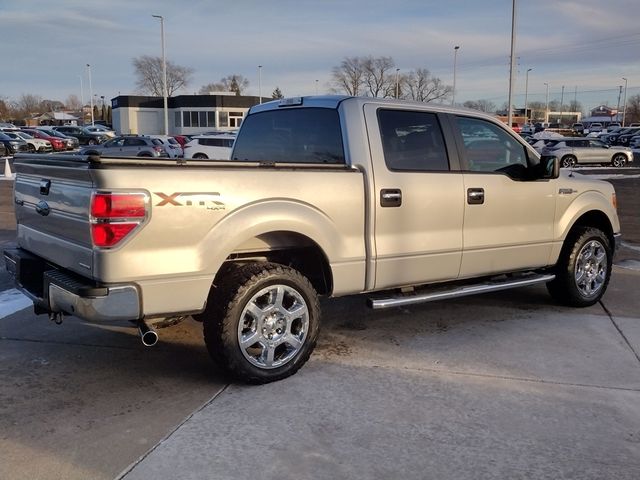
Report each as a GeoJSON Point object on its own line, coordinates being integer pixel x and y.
{"type": "Point", "coordinates": [406, 202]}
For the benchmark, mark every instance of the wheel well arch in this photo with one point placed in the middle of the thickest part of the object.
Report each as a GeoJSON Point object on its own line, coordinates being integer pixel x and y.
{"type": "Point", "coordinates": [287, 248]}
{"type": "Point", "coordinates": [597, 219]}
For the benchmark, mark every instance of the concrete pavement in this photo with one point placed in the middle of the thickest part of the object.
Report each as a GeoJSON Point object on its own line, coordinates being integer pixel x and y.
{"type": "Point", "coordinates": [499, 386]}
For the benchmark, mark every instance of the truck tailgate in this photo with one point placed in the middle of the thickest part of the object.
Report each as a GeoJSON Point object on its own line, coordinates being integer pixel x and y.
{"type": "Point", "coordinates": [52, 210]}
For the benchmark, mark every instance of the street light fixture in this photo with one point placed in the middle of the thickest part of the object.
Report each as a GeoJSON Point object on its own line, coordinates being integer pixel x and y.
{"type": "Point", "coordinates": [90, 93]}
{"type": "Point", "coordinates": [164, 76]}
{"type": "Point", "coordinates": [397, 83]}
{"type": "Point", "coordinates": [624, 103]}
{"type": "Point", "coordinates": [526, 95]}
{"type": "Point", "coordinates": [455, 62]}
{"type": "Point", "coordinates": [546, 106]}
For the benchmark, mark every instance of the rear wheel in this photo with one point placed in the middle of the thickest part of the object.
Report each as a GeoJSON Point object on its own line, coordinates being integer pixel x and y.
{"type": "Point", "coordinates": [619, 160]}
{"type": "Point", "coordinates": [584, 268]}
{"type": "Point", "coordinates": [568, 161]}
{"type": "Point", "coordinates": [92, 141]}
{"type": "Point", "coordinates": [200, 156]}
{"type": "Point", "coordinates": [262, 322]}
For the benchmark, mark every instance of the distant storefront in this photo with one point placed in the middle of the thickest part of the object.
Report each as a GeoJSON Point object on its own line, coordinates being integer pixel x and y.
{"type": "Point", "coordinates": [188, 114]}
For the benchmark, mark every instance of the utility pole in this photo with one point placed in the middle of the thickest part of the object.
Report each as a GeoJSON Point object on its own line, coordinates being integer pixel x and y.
{"type": "Point", "coordinates": [455, 62]}
{"type": "Point", "coordinates": [164, 76]}
{"type": "Point", "coordinates": [512, 65]}
{"type": "Point", "coordinates": [526, 95]}
{"type": "Point", "coordinates": [561, 105]}
{"type": "Point", "coordinates": [260, 82]}
{"type": "Point", "coordinates": [619, 95]}
{"type": "Point", "coordinates": [90, 93]}
{"type": "Point", "coordinates": [397, 84]}
{"type": "Point", "coordinates": [546, 108]}
{"type": "Point", "coordinates": [624, 103]}
{"type": "Point", "coordinates": [81, 100]}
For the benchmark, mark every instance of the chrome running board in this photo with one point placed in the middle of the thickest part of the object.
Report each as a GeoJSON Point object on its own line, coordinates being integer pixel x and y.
{"type": "Point", "coordinates": [458, 291]}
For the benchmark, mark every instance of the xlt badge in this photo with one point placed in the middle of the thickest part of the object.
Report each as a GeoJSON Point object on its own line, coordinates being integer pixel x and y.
{"type": "Point", "coordinates": [208, 200]}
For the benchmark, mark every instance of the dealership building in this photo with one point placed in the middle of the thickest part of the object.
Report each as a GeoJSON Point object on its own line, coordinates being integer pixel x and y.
{"type": "Point", "coordinates": [188, 114]}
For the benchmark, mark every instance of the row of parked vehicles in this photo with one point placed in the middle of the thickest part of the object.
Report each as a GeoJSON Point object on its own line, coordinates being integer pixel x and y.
{"type": "Point", "coordinates": [99, 140]}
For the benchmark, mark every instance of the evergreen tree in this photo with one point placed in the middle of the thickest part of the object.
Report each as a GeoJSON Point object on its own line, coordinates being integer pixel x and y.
{"type": "Point", "coordinates": [277, 93]}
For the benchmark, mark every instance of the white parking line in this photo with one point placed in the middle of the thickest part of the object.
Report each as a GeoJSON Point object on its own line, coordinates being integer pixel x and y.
{"type": "Point", "coordinates": [12, 301]}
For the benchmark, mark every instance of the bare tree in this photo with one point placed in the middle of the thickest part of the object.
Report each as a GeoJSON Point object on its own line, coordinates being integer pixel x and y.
{"type": "Point", "coordinates": [633, 110]}
{"type": "Point", "coordinates": [481, 105]}
{"type": "Point", "coordinates": [212, 87]}
{"type": "Point", "coordinates": [148, 71]}
{"type": "Point", "coordinates": [50, 106]}
{"type": "Point", "coordinates": [73, 103]}
{"type": "Point", "coordinates": [377, 78]}
{"type": "Point", "coordinates": [28, 104]}
{"type": "Point", "coordinates": [421, 86]}
{"type": "Point", "coordinates": [348, 76]}
{"type": "Point", "coordinates": [235, 83]}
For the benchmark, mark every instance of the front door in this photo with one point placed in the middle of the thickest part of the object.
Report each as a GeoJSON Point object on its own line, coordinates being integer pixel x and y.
{"type": "Point", "coordinates": [509, 212]}
{"type": "Point", "coordinates": [418, 199]}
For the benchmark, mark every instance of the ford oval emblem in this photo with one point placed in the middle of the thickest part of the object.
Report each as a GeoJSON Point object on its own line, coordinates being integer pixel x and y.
{"type": "Point", "coordinates": [43, 208]}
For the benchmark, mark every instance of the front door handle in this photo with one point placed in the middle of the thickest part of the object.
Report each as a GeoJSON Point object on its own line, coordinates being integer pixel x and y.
{"type": "Point", "coordinates": [390, 197]}
{"type": "Point", "coordinates": [475, 196]}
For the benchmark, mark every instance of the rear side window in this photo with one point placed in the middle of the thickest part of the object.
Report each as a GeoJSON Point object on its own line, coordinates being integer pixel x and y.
{"type": "Point", "coordinates": [300, 135]}
{"type": "Point", "coordinates": [412, 141]}
{"type": "Point", "coordinates": [156, 141]}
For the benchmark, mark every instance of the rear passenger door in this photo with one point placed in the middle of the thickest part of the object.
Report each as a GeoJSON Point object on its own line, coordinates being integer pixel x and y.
{"type": "Point", "coordinates": [418, 198]}
{"type": "Point", "coordinates": [508, 212]}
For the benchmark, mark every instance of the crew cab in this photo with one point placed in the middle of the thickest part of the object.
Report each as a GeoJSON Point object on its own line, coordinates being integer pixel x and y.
{"type": "Point", "coordinates": [404, 202]}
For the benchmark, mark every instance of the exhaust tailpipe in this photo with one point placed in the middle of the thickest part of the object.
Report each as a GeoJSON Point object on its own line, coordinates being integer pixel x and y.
{"type": "Point", "coordinates": [148, 335]}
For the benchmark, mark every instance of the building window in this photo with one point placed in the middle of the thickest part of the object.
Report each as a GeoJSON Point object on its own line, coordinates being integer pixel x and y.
{"type": "Point", "coordinates": [177, 118]}
{"type": "Point", "coordinates": [186, 119]}
{"type": "Point", "coordinates": [223, 118]}
{"type": "Point", "coordinates": [194, 119]}
{"type": "Point", "coordinates": [235, 119]}
{"type": "Point", "coordinates": [211, 119]}
{"type": "Point", "coordinates": [203, 119]}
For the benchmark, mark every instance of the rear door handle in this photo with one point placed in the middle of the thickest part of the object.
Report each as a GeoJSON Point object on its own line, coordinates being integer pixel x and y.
{"type": "Point", "coordinates": [390, 197]}
{"type": "Point", "coordinates": [475, 196]}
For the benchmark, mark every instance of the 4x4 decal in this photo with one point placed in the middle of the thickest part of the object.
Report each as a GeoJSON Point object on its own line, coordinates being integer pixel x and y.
{"type": "Point", "coordinates": [208, 200]}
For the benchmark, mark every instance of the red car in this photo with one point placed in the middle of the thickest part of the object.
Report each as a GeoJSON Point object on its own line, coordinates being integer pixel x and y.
{"type": "Point", "coordinates": [181, 139]}
{"type": "Point", "coordinates": [57, 143]}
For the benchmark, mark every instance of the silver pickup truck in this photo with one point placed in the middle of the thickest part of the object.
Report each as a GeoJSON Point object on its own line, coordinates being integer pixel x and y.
{"type": "Point", "coordinates": [407, 202]}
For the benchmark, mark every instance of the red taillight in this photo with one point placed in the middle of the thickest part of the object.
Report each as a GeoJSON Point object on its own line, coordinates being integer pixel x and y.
{"type": "Point", "coordinates": [115, 215]}
{"type": "Point", "coordinates": [158, 149]}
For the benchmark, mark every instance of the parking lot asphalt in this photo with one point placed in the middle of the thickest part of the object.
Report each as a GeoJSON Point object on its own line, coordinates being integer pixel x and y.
{"type": "Point", "coordinates": [506, 385]}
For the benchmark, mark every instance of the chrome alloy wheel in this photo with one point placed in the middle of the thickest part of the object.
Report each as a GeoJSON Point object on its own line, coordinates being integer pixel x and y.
{"type": "Point", "coordinates": [591, 268]}
{"type": "Point", "coordinates": [273, 326]}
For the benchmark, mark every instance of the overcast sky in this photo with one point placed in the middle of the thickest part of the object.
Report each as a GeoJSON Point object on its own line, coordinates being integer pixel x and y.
{"type": "Point", "coordinates": [588, 44]}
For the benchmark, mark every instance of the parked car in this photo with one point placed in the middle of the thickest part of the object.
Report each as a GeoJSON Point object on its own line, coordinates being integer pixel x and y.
{"type": "Point", "coordinates": [634, 143]}
{"type": "Point", "coordinates": [33, 144]}
{"type": "Point", "coordinates": [612, 137]}
{"type": "Point", "coordinates": [203, 147]}
{"type": "Point", "coordinates": [623, 138]}
{"type": "Point", "coordinates": [71, 142]}
{"type": "Point", "coordinates": [527, 129]}
{"type": "Point", "coordinates": [174, 149]}
{"type": "Point", "coordinates": [101, 129]}
{"type": "Point", "coordinates": [595, 127]}
{"type": "Point", "coordinates": [84, 136]}
{"type": "Point", "coordinates": [3, 150]}
{"type": "Point", "coordinates": [13, 145]}
{"type": "Point", "coordinates": [574, 151]}
{"type": "Point", "coordinates": [578, 128]}
{"type": "Point", "coordinates": [58, 144]}
{"type": "Point", "coordinates": [128, 146]}
{"type": "Point", "coordinates": [182, 139]}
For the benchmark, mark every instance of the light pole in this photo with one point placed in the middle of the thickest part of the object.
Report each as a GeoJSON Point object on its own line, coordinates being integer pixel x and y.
{"type": "Point", "coordinates": [260, 83]}
{"type": "Point", "coordinates": [81, 98]}
{"type": "Point", "coordinates": [90, 93]}
{"type": "Point", "coordinates": [561, 105]}
{"type": "Point", "coordinates": [397, 84]}
{"type": "Point", "coordinates": [526, 95]}
{"type": "Point", "coordinates": [546, 106]}
{"type": "Point", "coordinates": [624, 103]}
{"type": "Point", "coordinates": [512, 63]}
{"type": "Point", "coordinates": [164, 76]}
{"type": "Point", "coordinates": [455, 63]}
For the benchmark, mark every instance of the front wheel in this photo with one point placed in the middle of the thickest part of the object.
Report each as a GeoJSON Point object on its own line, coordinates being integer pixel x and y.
{"type": "Point", "coordinates": [568, 161]}
{"type": "Point", "coordinates": [92, 141]}
{"type": "Point", "coordinates": [262, 322]}
{"type": "Point", "coordinates": [584, 268]}
{"type": "Point", "coordinates": [619, 160]}
{"type": "Point", "coordinates": [200, 156]}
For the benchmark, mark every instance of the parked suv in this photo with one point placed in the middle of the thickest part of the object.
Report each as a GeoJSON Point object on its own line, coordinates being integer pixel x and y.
{"type": "Point", "coordinates": [127, 146]}
{"type": "Point", "coordinates": [578, 128]}
{"type": "Point", "coordinates": [171, 145]}
{"type": "Point", "coordinates": [84, 136]}
{"type": "Point", "coordinates": [623, 138]}
{"type": "Point", "coordinates": [33, 144]}
{"type": "Point", "coordinates": [572, 151]}
{"type": "Point", "coordinates": [13, 145]}
{"type": "Point", "coordinates": [217, 147]}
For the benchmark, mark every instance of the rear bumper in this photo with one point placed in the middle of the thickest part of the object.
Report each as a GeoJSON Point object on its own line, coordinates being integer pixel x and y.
{"type": "Point", "coordinates": [53, 290]}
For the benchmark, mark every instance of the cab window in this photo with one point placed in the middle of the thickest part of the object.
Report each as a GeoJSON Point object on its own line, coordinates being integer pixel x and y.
{"type": "Point", "coordinates": [488, 148]}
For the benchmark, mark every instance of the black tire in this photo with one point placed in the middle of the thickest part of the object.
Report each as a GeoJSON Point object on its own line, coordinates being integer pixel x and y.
{"type": "Point", "coordinates": [234, 299]}
{"type": "Point", "coordinates": [92, 141]}
{"type": "Point", "coordinates": [31, 148]}
{"type": "Point", "coordinates": [200, 156]}
{"type": "Point", "coordinates": [145, 155]}
{"type": "Point", "coordinates": [619, 160]}
{"type": "Point", "coordinates": [568, 161]}
{"type": "Point", "coordinates": [580, 245]}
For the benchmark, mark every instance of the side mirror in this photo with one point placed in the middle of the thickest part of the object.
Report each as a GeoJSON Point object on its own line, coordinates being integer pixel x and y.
{"type": "Point", "coordinates": [549, 166]}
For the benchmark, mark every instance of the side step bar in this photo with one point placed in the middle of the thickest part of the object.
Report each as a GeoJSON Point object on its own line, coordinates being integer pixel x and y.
{"type": "Point", "coordinates": [458, 291]}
